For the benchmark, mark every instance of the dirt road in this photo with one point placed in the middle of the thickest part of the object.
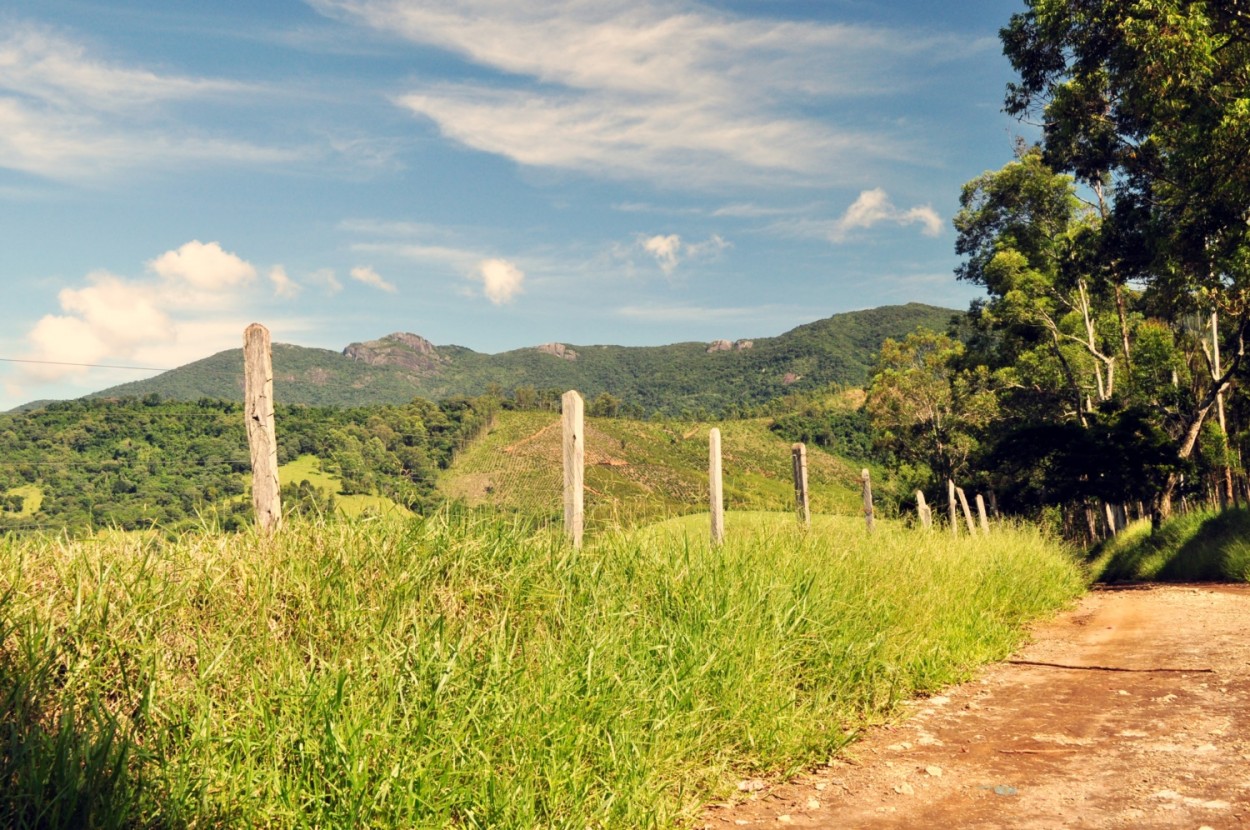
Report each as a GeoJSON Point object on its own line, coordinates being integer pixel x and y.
{"type": "Point", "coordinates": [1132, 710]}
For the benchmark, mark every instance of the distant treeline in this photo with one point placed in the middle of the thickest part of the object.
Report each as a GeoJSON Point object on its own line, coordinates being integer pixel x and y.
{"type": "Point", "coordinates": [134, 463]}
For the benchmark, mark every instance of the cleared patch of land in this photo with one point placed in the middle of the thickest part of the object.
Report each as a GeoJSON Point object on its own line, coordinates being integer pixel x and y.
{"type": "Point", "coordinates": [641, 471]}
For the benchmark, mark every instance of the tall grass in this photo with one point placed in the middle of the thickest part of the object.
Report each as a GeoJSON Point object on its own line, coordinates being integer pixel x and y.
{"type": "Point", "coordinates": [1204, 546]}
{"type": "Point", "coordinates": [466, 672]}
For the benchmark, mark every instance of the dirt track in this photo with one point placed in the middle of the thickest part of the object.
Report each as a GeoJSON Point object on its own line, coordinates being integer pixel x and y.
{"type": "Point", "coordinates": [1132, 710]}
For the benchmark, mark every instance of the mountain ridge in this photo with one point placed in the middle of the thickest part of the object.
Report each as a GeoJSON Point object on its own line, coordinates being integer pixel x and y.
{"type": "Point", "coordinates": [686, 377]}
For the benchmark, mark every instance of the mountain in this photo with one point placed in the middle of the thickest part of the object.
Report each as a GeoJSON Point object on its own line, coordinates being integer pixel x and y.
{"type": "Point", "coordinates": [682, 377]}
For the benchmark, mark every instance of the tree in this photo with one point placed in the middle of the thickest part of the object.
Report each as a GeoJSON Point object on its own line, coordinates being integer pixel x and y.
{"type": "Point", "coordinates": [924, 408]}
{"type": "Point", "coordinates": [1145, 102]}
{"type": "Point", "coordinates": [1028, 239]}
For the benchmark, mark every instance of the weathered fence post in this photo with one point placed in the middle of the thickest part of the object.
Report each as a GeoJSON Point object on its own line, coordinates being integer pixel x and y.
{"type": "Point", "coordinates": [572, 417]}
{"type": "Point", "coordinates": [923, 511]}
{"type": "Point", "coordinates": [950, 498]}
{"type": "Point", "coordinates": [985, 522]}
{"type": "Point", "coordinates": [258, 414]}
{"type": "Point", "coordinates": [867, 479]}
{"type": "Point", "coordinates": [963, 500]}
{"type": "Point", "coordinates": [801, 503]}
{"type": "Point", "coordinates": [716, 490]}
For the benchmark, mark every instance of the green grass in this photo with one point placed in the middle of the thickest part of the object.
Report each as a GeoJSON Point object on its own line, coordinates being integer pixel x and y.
{"type": "Point", "coordinates": [468, 672]}
{"type": "Point", "coordinates": [640, 471]}
{"type": "Point", "coordinates": [33, 499]}
{"type": "Point", "coordinates": [1199, 547]}
{"type": "Point", "coordinates": [308, 467]}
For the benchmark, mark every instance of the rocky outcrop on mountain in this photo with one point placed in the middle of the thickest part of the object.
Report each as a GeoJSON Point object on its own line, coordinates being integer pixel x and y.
{"type": "Point", "coordinates": [409, 351]}
{"type": "Point", "coordinates": [557, 350]}
{"type": "Point", "coordinates": [726, 346]}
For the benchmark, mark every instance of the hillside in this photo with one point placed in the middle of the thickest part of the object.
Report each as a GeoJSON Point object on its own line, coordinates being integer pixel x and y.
{"type": "Point", "coordinates": [639, 471]}
{"type": "Point", "coordinates": [682, 378]}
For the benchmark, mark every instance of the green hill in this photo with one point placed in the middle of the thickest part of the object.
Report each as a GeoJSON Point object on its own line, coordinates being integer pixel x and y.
{"type": "Point", "coordinates": [680, 379]}
{"type": "Point", "coordinates": [641, 471]}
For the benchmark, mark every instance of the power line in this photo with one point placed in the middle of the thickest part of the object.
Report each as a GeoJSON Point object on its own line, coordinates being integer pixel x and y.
{"type": "Point", "coordinates": [84, 365]}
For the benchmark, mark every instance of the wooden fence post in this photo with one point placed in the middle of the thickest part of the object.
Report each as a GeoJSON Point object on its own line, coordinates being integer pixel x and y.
{"type": "Point", "coordinates": [923, 511]}
{"type": "Point", "coordinates": [801, 503]}
{"type": "Point", "coordinates": [716, 489]}
{"type": "Point", "coordinates": [950, 498]}
{"type": "Point", "coordinates": [985, 522]}
{"type": "Point", "coordinates": [572, 418]}
{"type": "Point", "coordinates": [963, 500]}
{"type": "Point", "coordinates": [865, 476]}
{"type": "Point", "coordinates": [258, 414]}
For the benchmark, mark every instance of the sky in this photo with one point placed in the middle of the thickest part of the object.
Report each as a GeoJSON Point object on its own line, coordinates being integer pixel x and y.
{"type": "Point", "coordinates": [487, 173]}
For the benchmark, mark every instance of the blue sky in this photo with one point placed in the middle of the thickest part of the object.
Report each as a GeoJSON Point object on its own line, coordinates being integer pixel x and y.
{"type": "Point", "coordinates": [489, 173]}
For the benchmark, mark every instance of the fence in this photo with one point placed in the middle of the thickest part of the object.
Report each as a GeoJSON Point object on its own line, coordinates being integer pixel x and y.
{"type": "Point", "coordinates": [266, 486]}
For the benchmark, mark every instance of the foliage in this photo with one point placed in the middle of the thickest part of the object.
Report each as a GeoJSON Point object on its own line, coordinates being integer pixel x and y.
{"type": "Point", "coordinates": [454, 672]}
{"type": "Point", "coordinates": [925, 408]}
{"type": "Point", "coordinates": [1198, 547]}
{"type": "Point", "coordinates": [1144, 103]}
{"type": "Point", "coordinates": [135, 464]}
{"type": "Point", "coordinates": [680, 380]}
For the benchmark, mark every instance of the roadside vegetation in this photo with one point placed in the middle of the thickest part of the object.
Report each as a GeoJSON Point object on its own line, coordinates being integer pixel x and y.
{"type": "Point", "coordinates": [1204, 546]}
{"type": "Point", "coordinates": [458, 670]}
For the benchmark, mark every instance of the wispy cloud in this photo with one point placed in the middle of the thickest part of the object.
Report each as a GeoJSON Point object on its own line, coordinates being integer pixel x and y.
{"type": "Point", "coordinates": [367, 276]}
{"type": "Point", "coordinates": [874, 207]}
{"type": "Point", "coordinates": [283, 286]}
{"type": "Point", "coordinates": [671, 92]}
{"type": "Point", "coordinates": [66, 114]}
{"type": "Point", "coordinates": [870, 209]}
{"type": "Point", "coordinates": [686, 313]}
{"type": "Point", "coordinates": [669, 250]}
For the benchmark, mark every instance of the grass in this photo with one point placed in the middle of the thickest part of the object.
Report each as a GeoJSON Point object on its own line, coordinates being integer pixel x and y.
{"type": "Point", "coordinates": [308, 467]}
{"type": "Point", "coordinates": [32, 497]}
{"type": "Point", "coordinates": [1203, 546]}
{"type": "Point", "coordinates": [469, 672]}
{"type": "Point", "coordinates": [640, 471]}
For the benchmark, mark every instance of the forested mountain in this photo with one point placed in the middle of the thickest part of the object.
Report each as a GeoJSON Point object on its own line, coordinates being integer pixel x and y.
{"type": "Point", "coordinates": [683, 378]}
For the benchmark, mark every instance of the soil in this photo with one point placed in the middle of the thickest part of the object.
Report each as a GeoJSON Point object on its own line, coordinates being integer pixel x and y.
{"type": "Point", "coordinates": [1131, 710]}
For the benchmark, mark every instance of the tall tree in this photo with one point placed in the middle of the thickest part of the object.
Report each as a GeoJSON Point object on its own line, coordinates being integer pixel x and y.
{"type": "Point", "coordinates": [925, 408]}
{"type": "Point", "coordinates": [1148, 99]}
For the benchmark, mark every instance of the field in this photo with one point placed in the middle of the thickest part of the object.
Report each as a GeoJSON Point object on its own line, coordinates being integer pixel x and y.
{"type": "Point", "coordinates": [461, 671]}
{"type": "Point", "coordinates": [641, 471]}
{"type": "Point", "coordinates": [309, 468]}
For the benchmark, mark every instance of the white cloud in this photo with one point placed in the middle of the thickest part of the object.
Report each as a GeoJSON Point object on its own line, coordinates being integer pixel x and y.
{"type": "Point", "coordinates": [874, 207]}
{"type": "Point", "coordinates": [747, 210]}
{"type": "Point", "coordinates": [665, 249]}
{"type": "Point", "coordinates": [325, 278]}
{"type": "Point", "coordinates": [369, 277]}
{"type": "Point", "coordinates": [283, 285]}
{"type": "Point", "coordinates": [203, 266]}
{"type": "Point", "coordinates": [669, 250]}
{"type": "Point", "coordinates": [120, 313]}
{"type": "Point", "coordinates": [460, 259]}
{"type": "Point", "coordinates": [668, 91]}
{"type": "Point", "coordinates": [110, 317]}
{"type": "Point", "coordinates": [501, 280]}
{"type": "Point", "coordinates": [192, 298]}
{"type": "Point", "coordinates": [65, 114]}
{"type": "Point", "coordinates": [687, 314]}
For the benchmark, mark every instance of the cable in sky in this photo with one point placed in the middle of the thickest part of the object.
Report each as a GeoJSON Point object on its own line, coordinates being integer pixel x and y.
{"type": "Point", "coordinates": [85, 365]}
